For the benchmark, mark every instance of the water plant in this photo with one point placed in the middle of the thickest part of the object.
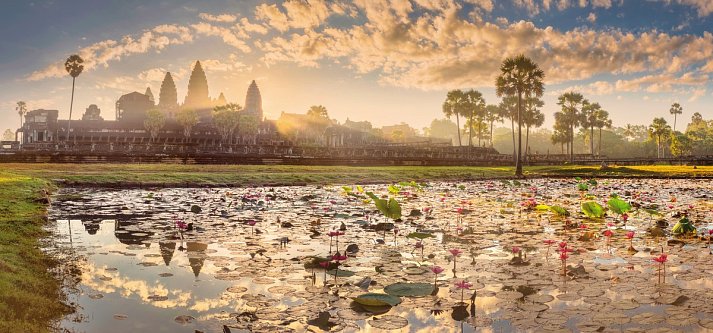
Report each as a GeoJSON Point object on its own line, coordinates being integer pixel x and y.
{"type": "Point", "coordinates": [463, 286]}
{"type": "Point", "coordinates": [608, 234]}
{"type": "Point", "coordinates": [630, 236]}
{"type": "Point", "coordinates": [549, 243]}
{"type": "Point", "coordinates": [455, 253]}
{"type": "Point", "coordinates": [684, 227]}
{"type": "Point", "coordinates": [661, 260]}
{"type": "Point", "coordinates": [436, 270]}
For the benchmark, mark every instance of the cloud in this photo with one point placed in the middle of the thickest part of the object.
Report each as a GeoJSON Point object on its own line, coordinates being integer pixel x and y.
{"type": "Point", "coordinates": [222, 18]}
{"type": "Point", "coordinates": [532, 8]}
{"type": "Point", "coordinates": [703, 7]}
{"type": "Point", "coordinates": [592, 18]}
{"type": "Point", "coordinates": [696, 94]}
{"type": "Point", "coordinates": [229, 36]}
{"type": "Point", "coordinates": [104, 52]}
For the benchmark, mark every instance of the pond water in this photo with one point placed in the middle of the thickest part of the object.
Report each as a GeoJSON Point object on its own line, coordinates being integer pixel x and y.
{"type": "Point", "coordinates": [242, 259]}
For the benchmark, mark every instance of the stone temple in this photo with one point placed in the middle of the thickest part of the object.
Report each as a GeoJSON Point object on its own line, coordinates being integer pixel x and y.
{"type": "Point", "coordinates": [253, 101]}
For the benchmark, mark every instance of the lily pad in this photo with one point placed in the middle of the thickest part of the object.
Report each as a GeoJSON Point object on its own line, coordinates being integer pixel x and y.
{"type": "Point", "coordinates": [419, 235]}
{"type": "Point", "coordinates": [340, 273]}
{"type": "Point", "coordinates": [409, 289]}
{"type": "Point", "coordinates": [592, 209]}
{"type": "Point", "coordinates": [376, 299]}
{"type": "Point", "coordinates": [196, 209]}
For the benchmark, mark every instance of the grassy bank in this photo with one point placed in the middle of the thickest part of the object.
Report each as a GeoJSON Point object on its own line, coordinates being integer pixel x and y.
{"type": "Point", "coordinates": [29, 294]}
{"type": "Point", "coordinates": [255, 175]}
{"type": "Point", "coordinates": [30, 297]}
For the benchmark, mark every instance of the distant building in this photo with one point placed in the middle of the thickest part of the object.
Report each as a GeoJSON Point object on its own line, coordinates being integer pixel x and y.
{"type": "Point", "coordinates": [40, 126]}
{"type": "Point", "coordinates": [132, 107]}
{"type": "Point", "coordinates": [253, 101]}
{"type": "Point", "coordinates": [92, 113]}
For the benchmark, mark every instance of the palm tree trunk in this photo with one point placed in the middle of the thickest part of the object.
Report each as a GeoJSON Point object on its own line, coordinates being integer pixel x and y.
{"type": "Point", "coordinates": [674, 121]}
{"type": "Point", "coordinates": [571, 147]}
{"type": "Point", "coordinates": [470, 130]}
{"type": "Point", "coordinates": [599, 148]}
{"type": "Point", "coordinates": [458, 124]}
{"type": "Point", "coordinates": [527, 143]}
{"type": "Point", "coordinates": [518, 162]}
{"type": "Point", "coordinates": [491, 133]}
{"type": "Point", "coordinates": [71, 104]}
{"type": "Point", "coordinates": [480, 131]}
{"type": "Point", "coordinates": [591, 140]}
{"type": "Point", "coordinates": [512, 129]}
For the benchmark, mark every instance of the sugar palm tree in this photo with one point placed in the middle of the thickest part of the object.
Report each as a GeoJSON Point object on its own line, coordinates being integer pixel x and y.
{"type": "Point", "coordinates": [589, 120]}
{"type": "Point", "coordinates": [602, 120]}
{"type": "Point", "coordinates": [21, 109]}
{"type": "Point", "coordinates": [453, 106]}
{"type": "Point", "coordinates": [675, 110]}
{"type": "Point", "coordinates": [473, 107]}
{"type": "Point", "coordinates": [570, 115]}
{"type": "Point", "coordinates": [532, 117]}
{"type": "Point", "coordinates": [521, 77]}
{"type": "Point", "coordinates": [658, 130]}
{"type": "Point", "coordinates": [318, 111]}
{"type": "Point", "coordinates": [508, 107]}
{"type": "Point", "coordinates": [493, 113]}
{"type": "Point", "coordinates": [74, 67]}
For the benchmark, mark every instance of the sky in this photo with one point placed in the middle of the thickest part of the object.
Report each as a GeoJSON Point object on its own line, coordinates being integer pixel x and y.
{"type": "Point", "coordinates": [378, 60]}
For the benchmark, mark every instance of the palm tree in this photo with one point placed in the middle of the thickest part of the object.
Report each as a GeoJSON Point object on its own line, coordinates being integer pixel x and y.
{"type": "Point", "coordinates": [570, 116]}
{"type": "Point", "coordinates": [473, 107]}
{"type": "Point", "coordinates": [520, 77]}
{"type": "Point", "coordinates": [589, 119]}
{"type": "Point", "coordinates": [509, 108]}
{"type": "Point", "coordinates": [74, 67]}
{"type": "Point", "coordinates": [675, 110]}
{"type": "Point", "coordinates": [21, 109]}
{"type": "Point", "coordinates": [493, 113]}
{"type": "Point", "coordinates": [453, 105]}
{"type": "Point", "coordinates": [659, 129]}
{"type": "Point", "coordinates": [532, 117]}
{"type": "Point", "coordinates": [602, 120]}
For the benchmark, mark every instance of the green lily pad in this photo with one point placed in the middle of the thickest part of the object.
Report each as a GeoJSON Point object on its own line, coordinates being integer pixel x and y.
{"type": "Point", "coordinates": [376, 299]}
{"type": "Point", "coordinates": [559, 210]}
{"type": "Point", "coordinates": [592, 209]}
{"type": "Point", "coordinates": [618, 206]}
{"type": "Point", "coordinates": [409, 289]}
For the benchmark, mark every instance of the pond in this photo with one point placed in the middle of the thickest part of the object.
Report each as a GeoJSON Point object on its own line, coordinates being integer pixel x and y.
{"type": "Point", "coordinates": [513, 256]}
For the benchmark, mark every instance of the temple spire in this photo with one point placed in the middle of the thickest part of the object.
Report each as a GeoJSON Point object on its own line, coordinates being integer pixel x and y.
{"type": "Point", "coordinates": [197, 97]}
{"type": "Point", "coordinates": [168, 97]}
{"type": "Point", "coordinates": [253, 100]}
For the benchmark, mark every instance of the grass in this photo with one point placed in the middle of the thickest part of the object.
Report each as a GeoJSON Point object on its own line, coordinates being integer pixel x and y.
{"type": "Point", "coordinates": [30, 298]}
{"type": "Point", "coordinates": [257, 175]}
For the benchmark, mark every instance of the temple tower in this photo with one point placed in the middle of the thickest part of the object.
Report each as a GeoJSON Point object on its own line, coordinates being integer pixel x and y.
{"type": "Point", "coordinates": [168, 97]}
{"type": "Point", "coordinates": [197, 97]}
{"type": "Point", "coordinates": [253, 101]}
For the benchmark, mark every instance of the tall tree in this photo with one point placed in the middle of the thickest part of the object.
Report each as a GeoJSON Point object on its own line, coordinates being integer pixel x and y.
{"type": "Point", "coordinates": [248, 125]}
{"type": "Point", "coordinates": [658, 130]}
{"type": "Point", "coordinates": [187, 118]}
{"type": "Point", "coordinates": [493, 113]}
{"type": "Point", "coordinates": [74, 67]}
{"type": "Point", "coordinates": [571, 117]}
{"type": "Point", "coordinates": [21, 109]}
{"type": "Point", "coordinates": [155, 120]}
{"type": "Point", "coordinates": [521, 77]}
{"type": "Point", "coordinates": [453, 106]}
{"type": "Point", "coordinates": [473, 108]}
{"type": "Point", "coordinates": [318, 111]}
{"type": "Point", "coordinates": [532, 117]}
{"type": "Point", "coordinates": [226, 118]}
{"type": "Point", "coordinates": [675, 110]}
{"type": "Point", "coordinates": [588, 120]}
{"type": "Point", "coordinates": [509, 108]}
{"type": "Point", "coordinates": [601, 120]}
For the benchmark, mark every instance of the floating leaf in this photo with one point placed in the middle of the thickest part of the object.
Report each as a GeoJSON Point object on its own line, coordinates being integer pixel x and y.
{"type": "Point", "coordinates": [592, 182]}
{"type": "Point", "coordinates": [618, 206]}
{"type": "Point", "coordinates": [409, 289]}
{"type": "Point", "coordinates": [592, 209]}
{"type": "Point", "coordinates": [559, 211]}
{"type": "Point", "coordinates": [683, 226]}
{"type": "Point", "coordinates": [376, 299]}
{"type": "Point", "coordinates": [391, 208]}
{"type": "Point", "coordinates": [582, 187]}
{"type": "Point", "coordinates": [419, 235]}
{"type": "Point", "coordinates": [340, 273]}
{"type": "Point", "coordinates": [196, 209]}
{"type": "Point", "coordinates": [542, 207]}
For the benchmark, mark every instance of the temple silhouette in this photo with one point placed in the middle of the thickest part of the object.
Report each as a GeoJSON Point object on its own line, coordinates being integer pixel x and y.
{"type": "Point", "coordinates": [148, 130]}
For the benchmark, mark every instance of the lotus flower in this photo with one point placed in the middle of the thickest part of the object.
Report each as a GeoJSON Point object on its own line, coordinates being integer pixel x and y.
{"type": "Point", "coordinates": [549, 243]}
{"type": "Point", "coordinates": [661, 260]}
{"type": "Point", "coordinates": [436, 270]}
{"type": "Point", "coordinates": [463, 285]}
{"type": "Point", "coordinates": [455, 253]}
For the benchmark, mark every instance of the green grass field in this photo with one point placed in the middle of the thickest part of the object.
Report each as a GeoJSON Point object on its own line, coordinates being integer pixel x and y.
{"type": "Point", "coordinates": [30, 298]}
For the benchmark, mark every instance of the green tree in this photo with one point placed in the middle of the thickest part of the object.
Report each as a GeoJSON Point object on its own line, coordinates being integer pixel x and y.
{"type": "Point", "coordinates": [453, 106]}
{"type": "Point", "coordinates": [318, 111]}
{"type": "Point", "coordinates": [588, 121]}
{"type": "Point", "coordinates": [155, 120]}
{"type": "Point", "coordinates": [681, 144]}
{"type": "Point", "coordinates": [521, 77]}
{"type": "Point", "coordinates": [570, 116]}
{"type": "Point", "coordinates": [187, 118]}
{"type": "Point", "coordinates": [442, 128]}
{"type": "Point", "coordinates": [473, 110]}
{"type": "Point", "coordinates": [226, 119]}
{"type": "Point", "coordinates": [675, 110]}
{"type": "Point", "coordinates": [248, 125]}
{"type": "Point", "coordinates": [493, 113]}
{"type": "Point", "coordinates": [21, 109]}
{"type": "Point", "coordinates": [532, 117]}
{"type": "Point", "coordinates": [74, 67]}
{"type": "Point", "coordinates": [658, 130]}
{"type": "Point", "coordinates": [508, 108]}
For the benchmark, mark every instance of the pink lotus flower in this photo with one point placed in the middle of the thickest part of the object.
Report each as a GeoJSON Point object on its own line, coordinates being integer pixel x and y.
{"type": "Point", "coordinates": [339, 258]}
{"type": "Point", "coordinates": [583, 226]}
{"type": "Point", "coordinates": [419, 245]}
{"type": "Point", "coordinates": [549, 241]}
{"type": "Point", "coordinates": [455, 252]}
{"type": "Point", "coordinates": [515, 249]}
{"type": "Point", "coordinates": [608, 233]}
{"type": "Point", "coordinates": [459, 210]}
{"type": "Point", "coordinates": [564, 255]}
{"type": "Point", "coordinates": [630, 235]}
{"type": "Point", "coordinates": [324, 264]}
{"type": "Point", "coordinates": [710, 232]}
{"type": "Point", "coordinates": [251, 223]}
{"type": "Point", "coordinates": [464, 285]}
{"type": "Point", "coordinates": [437, 270]}
{"type": "Point", "coordinates": [625, 217]}
{"type": "Point", "coordinates": [563, 245]}
{"type": "Point", "coordinates": [661, 259]}
{"type": "Point", "coordinates": [610, 224]}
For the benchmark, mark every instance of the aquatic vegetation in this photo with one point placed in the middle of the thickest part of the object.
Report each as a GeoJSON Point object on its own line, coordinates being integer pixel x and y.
{"type": "Point", "coordinates": [592, 209]}
{"type": "Point", "coordinates": [463, 286]}
{"type": "Point", "coordinates": [455, 253]}
{"type": "Point", "coordinates": [436, 270]}
{"type": "Point", "coordinates": [684, 227]}
{"type": "Point", "coordinates": [661, 260]}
